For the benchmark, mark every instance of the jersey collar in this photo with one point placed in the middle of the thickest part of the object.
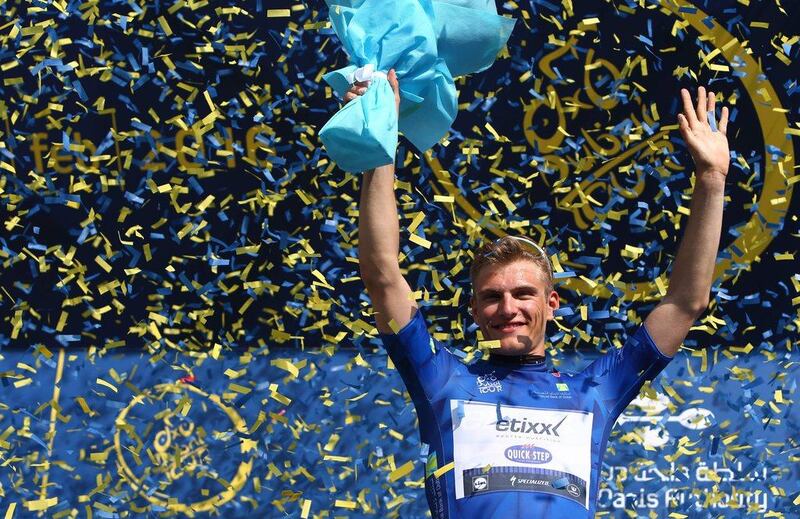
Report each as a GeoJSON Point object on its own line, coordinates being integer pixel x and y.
{"type": "Point", "coordinates": [527, 362]}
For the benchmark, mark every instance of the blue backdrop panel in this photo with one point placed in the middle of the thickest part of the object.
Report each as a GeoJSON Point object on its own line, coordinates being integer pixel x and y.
{"type": "Point", "coordinates": [275, 436]}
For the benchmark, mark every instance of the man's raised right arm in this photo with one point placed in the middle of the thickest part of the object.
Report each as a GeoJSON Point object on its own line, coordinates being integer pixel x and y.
{"type": "Point", "coordinates": [379, 244]}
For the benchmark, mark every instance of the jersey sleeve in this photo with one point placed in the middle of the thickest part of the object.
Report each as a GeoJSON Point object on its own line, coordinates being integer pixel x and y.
{"type": "Point", "coordinates": [619, 374]}
{"type": "Point", "coordinates": [423, 363]}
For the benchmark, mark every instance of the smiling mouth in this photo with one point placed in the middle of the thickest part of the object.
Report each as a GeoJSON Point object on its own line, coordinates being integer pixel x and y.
{"type": "Point", "coordinates": [508, 327]}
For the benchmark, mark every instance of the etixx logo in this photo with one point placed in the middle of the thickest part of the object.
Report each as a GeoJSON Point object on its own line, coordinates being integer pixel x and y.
{"type": "Point", "coordinates": [526, 426]}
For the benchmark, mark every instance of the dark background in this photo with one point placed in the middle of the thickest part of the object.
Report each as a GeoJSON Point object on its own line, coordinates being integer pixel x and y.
{"type": "Point", "coordinates": [295, 208]}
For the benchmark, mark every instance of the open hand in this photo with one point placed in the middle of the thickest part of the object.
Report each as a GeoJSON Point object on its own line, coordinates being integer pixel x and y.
{"type": "Point", "coordinates": [360, 87]}
{"type": "Point", "coordinates": [707, 140]}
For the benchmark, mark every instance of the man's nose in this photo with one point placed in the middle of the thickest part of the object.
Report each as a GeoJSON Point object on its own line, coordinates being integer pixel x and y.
{"type": "Point", "coordinates": [507, 306]}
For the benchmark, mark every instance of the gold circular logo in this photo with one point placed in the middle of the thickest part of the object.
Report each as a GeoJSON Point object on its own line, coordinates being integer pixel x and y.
{"type": "Point", "coordinates": [617, 164]}
{"type": "Point", "coordinates": [177, 440]}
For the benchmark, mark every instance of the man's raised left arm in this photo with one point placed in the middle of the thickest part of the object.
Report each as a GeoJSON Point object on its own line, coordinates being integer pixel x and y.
{"type": "Point", "coordinates": [693, 270]}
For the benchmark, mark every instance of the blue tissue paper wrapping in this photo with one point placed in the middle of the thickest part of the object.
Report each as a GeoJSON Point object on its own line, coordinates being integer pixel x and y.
{"type": "Point", "coordinates": [427, 43]}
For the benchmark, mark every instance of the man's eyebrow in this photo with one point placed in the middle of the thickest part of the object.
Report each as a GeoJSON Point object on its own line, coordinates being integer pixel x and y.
{"type": "Point", "coordinates": [527, 289]}
{"type": "Point", "coordinates": [519, 288]}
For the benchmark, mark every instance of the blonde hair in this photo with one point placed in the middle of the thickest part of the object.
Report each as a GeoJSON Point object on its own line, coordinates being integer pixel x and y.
{"type": "Point", "coordinates": [507, 250]}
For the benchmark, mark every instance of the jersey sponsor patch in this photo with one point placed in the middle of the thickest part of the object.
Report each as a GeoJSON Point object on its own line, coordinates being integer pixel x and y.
{"type": "Point", "coordinates": [521, 449]}
{"type": "Point", "coordinates": [488, 383]}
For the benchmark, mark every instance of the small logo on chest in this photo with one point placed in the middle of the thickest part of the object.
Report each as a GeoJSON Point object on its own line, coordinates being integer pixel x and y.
{"type": "Point", "coordinates": [488, 383]}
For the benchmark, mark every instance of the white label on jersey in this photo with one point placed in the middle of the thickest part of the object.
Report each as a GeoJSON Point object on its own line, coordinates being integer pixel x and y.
{"type": "Point", "coordinates": [523, 449]}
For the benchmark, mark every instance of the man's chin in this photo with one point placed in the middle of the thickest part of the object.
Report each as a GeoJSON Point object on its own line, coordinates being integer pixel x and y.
{"type": "Point", "coordinates": [512, 347]}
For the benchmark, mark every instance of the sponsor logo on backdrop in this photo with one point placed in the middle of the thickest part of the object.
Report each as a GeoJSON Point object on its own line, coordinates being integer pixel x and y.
{"type": "Point", "coordinates": [176, 436]}
{"type": "Point", "coordinates": [580, 95]}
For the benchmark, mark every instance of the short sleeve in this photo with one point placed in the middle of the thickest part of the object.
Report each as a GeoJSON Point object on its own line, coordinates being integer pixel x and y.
{"type": "Point", "coordinates": [619, 374]}
{"type": "Point", "coordinates": [422, 362]}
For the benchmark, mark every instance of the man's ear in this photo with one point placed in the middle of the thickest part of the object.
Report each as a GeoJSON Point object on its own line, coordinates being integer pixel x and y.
{"type": "Point", "coordinates": [553, 303]}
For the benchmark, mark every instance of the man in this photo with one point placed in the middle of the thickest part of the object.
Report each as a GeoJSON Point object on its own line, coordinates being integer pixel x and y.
{"type": "Point", "coordinates": [508, 437]}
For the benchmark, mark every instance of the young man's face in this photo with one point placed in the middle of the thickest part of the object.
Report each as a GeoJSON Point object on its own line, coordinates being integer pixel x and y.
{"type": "Point", "coordinates": [511, 303]}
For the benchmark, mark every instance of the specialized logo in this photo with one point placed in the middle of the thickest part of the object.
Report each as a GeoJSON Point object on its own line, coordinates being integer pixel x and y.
{"type": "Point", "coordinates": [480, 483]}
{"type": "Point", "coordinates": [527, 482]}
{"type": "Point", "coordinates": [528, 454]}
{"type": "Point", "coordinates": [527, 427]}
{"type": "Point", "coordinates": [562, 387]}
{"type": "Point", "coordinates": [488, 383]}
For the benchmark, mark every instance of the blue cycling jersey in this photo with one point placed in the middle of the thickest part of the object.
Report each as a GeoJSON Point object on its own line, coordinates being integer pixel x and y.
{"type": "Point", "coordinates": [510, 441]}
